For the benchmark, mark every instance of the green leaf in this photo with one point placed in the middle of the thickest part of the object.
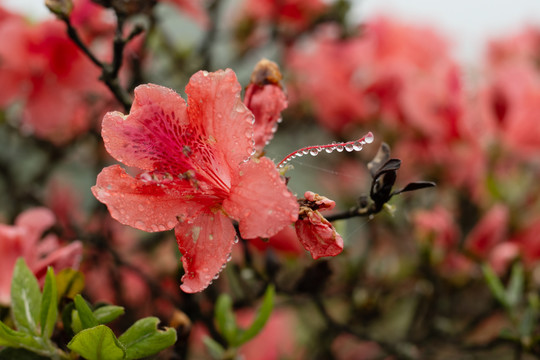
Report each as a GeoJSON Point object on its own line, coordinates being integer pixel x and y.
{"type": "Point", "coordinates": [97, 343]}
{"type": "Point", "coordinates": [528, 322]}
{"type": "Point", "coordinates": [108, 313]}
{"type": "Point", "coordinates": [514, 292]}
{"type": "Point", "coordinates": [70, 283]}
{"type": "Point", "coordinates": [88, 320]}
{"type": "Point", "coordinates": [25, 298]}
{"type": "Point", "coordinates": [49, 305]}
{"type": "Point", "coordinates": [18, 339]}
{"type": "Point", "coordinates": [495, 285]}
{"type": "Point", "coordinates": [144, 339]}
{"type": "Point", "coordinates": [214, 348]}
{"type": "Point", "coordinates": [226, 322]}
{"type": "Point", "coordinates": [262, 316]}
{"type": "Point", "coordinates": [75, 322]}
{"type": "Point", "coordinates": [20, 354]}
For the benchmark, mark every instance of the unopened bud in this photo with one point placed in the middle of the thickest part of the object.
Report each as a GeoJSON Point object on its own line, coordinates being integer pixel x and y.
{"type": "Point", "coordinates": [61, 8]}
{"type": "Point", "coordinates": [266, 72]}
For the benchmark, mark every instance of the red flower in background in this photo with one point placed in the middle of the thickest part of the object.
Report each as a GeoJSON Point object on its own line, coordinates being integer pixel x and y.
{"type": "Point", "coordinates": [315, 232]}
{"type": "Point", "coordinates": [197, 172]}
{"type": "Point", "coordinates": [23, 240]}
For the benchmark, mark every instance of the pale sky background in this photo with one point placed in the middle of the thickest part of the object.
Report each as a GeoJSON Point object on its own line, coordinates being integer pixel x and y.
{"type": "Point", "coordinates": [467, 23]}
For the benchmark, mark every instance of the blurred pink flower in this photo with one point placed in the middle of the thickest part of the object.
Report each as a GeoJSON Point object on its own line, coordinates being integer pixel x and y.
{"type": "Point", "coordinates": [23, 240]}
{"type": "Point", "coordinates": [488, 232]}
{"type": "Point", "coordinates": [292, 14]}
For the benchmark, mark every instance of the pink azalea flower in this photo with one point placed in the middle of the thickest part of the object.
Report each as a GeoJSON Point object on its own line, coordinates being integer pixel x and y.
{"type": "Point", "coordinates": [23, 240]}
{"type": "Point", "coordinates": [315, 232]}
{"type": "Point", "coordinates": [294, 14]}
{"type": "Point", "coordinates": [197, 172]}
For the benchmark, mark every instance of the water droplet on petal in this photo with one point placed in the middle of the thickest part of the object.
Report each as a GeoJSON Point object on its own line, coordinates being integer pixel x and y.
{"type": "Point", "coordinates": [339, 148]}
{"type": "Point", "coordinates": [349, 147]}
{"type": "Point", "coordinates": [329, 149]}
{"type": "Point", "coordinates": [314, 152]}
{"type": "Point", "coordinates": [236, 239]}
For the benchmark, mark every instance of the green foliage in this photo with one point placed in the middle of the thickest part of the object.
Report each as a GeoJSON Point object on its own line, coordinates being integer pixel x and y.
{"type": "Point", "coordinates": [97, 343]}
{"type": "Point", "coordinates": [35, 315]}
{"type": "Point", "coordinates": [227, 326]}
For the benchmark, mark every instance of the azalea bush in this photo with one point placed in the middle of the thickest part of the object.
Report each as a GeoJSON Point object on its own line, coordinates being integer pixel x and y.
{"type": "Point", "coordinates": [260, 179]}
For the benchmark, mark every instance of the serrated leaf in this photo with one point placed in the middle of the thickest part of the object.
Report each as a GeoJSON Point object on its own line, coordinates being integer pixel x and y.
{"type": "Point", "coordinates": [514, 292]}
{"type": "Point", "coordinates": [97, 343]}
{"type": "Point", "coordinates": [69, 283]}
{"type": "Point", "coordinates": [108, 313]}
{"type": "Point", "coordinates": [226, 322]}
{"type": "Point", "coordinates": [495, 285]}
{"type": "Point", "coordinates": [262, 316]}
{"type": "Point", "coordinates": [86, 316]}
{"type": "Point", "coordinates": [25, 298]}
{"type": "Point", "coordinates": [49, 305]}
{"type": "Point", "coordinates": [144, 338]}
{"type": "Point", "coordinates": [214, 348]}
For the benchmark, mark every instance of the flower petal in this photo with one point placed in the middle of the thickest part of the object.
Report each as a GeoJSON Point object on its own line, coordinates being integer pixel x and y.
{"type": "Point", "coordinates": [214, 105]}
{"type": "Point", "coordinates": [153, 135]}
{"type": "Point", "coordinates": [146, 205]}
{"type": "Point", "coordinates": [260, 200]}
{"type": "Point", "coordinates": [318, 235]}
{"type": "Point", "coordinates": [205, 243]}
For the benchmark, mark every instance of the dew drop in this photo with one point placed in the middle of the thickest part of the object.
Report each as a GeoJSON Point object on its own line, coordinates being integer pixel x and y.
{"type": "Point", "coordinates": [305, 152]}
{"type": "Point", "coordinates": [236, 239]}
{"type": "Point", "coordinates": [339, 148]}
{"type": "Point", "coordinates": [216, 276]}
{"type": "Point", "coordinates": [369, 138]}
{"type": "Point", "coordinates": [349, 147]}
{"type": "Point", "coordinates": [299, 154]}
{"type": "Point", "coordinates": [329, 149]}
{"type": "Point", "coordinates": [229, 257]}
{"type": "Point", "coordinates": [357, 146]}
{"type": "Point", "coordinates": [313, 152]}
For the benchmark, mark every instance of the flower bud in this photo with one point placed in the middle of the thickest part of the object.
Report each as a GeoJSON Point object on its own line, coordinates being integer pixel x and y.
{"type": "Point", "coordinates": [61, 8]}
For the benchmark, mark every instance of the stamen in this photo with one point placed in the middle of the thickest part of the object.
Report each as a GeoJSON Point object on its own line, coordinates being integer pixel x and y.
{"type": "Point", "coordinates": [349, 146]}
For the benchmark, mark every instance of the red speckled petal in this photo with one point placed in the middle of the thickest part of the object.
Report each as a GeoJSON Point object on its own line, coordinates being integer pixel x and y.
{"type": "Point", "coordinates": [214, 104]}
{"type": "Point", "coordinates": [260, 200]}
{"type": "Point", "coordinates": [318, 236]}
{"type": "Point", "coordinates": [266, 102]}
{"type": "Point", "coordinates": [153, 135]}
{"type": "Point", "coordinates": [205, 243]}
{"type": "Point", "coordinates": [146, 205]}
